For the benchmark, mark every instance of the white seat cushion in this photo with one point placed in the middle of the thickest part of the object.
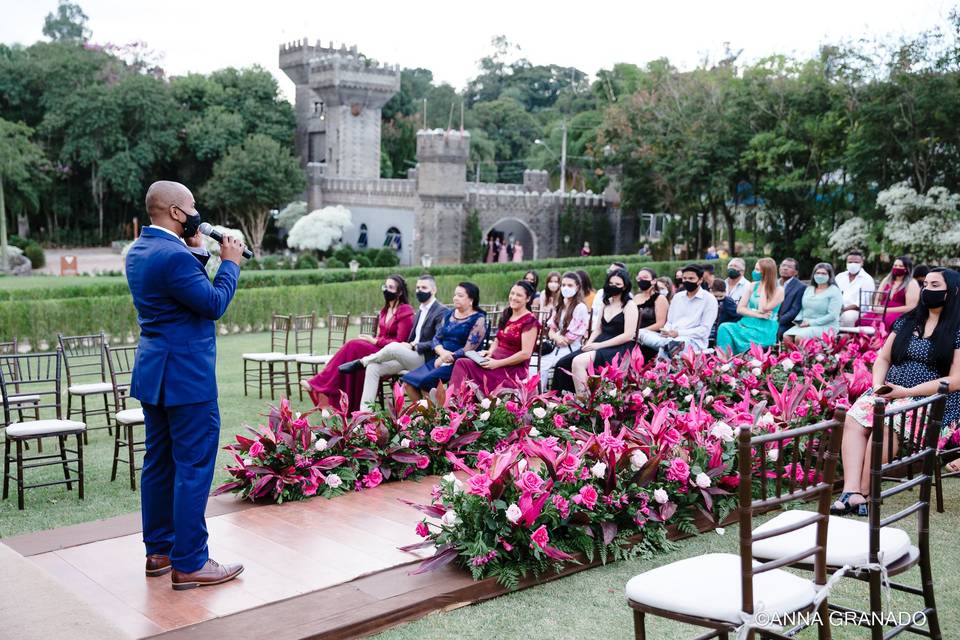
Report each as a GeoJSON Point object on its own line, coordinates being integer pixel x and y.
{"type": "Point", "coordinates": [36, 428]}
{"type": "Point", "coordinates": [848, 540]}
{"type": "Point", "coordinates": [867, 331]}
{"type": "Point", "coordinates": [91, 388]}
{"type": "Point", "coordinates": [708, 586]}
{"type": "Point", "coordinates": [23, 399]}
{"type": "Point", "coordinates": [324, 359]}
{"type": "Point", "coordinates": [130, 416]}
{"type": "Point", "coordinates": [273, 356]}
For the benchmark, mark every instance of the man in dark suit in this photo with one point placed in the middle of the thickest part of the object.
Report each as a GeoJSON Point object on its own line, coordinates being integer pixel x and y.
{"type": "Point", "coordinates": [174, 377]}
{"type": "Point", "coordinates": [403, 356]}
{"type": "Point", "coordinates": [792, 295]}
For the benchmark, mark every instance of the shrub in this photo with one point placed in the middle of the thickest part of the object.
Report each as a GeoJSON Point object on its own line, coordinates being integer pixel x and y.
{"type": "Point", "coordinates": [35, 252]}
{"type": "Point", "coordinates": [334, 263]}
{"type": "Point", "coordinates": [386, 258]}
{"type": "Point", "coordinates": [270, 263]}
{"type": "Point", "coordinates": [364, 261]}
{"type": "Point", "coordinates": [307, 261]}
{"type": "Point", "coordinates": [344, 254]}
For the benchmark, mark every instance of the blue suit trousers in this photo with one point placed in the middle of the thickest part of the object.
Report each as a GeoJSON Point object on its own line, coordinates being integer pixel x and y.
{"type": "Point", "coordinates": [178, 466]}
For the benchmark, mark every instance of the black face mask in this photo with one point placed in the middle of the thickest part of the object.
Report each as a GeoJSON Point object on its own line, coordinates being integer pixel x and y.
{"type": "Point", "coordinates": [691, 286]}
{"type": "Point", "coordinates": [933, 299]}
{"type": "Point", "coordinates": [643, 285]}
{"type": "Point", "coordinates": [733, 274]}
{"type": "Point", "coordinates": [423, 296]}
{"type": "Point", "coordinates": [390, 296]}
{"type": "Point", "coordinates": [611, 291]}
{"type": "Point", "coordinates": [192, 224]}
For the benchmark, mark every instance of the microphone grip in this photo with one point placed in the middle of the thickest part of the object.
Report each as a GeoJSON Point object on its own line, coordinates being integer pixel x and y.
{"type": "Point", "coordinates": [216, 235]}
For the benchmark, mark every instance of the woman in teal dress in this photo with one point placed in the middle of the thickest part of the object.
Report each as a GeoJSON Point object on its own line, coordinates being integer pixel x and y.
{"type": "Point", "coordinates": [758, 311]}
{"type": "Point", "coordinates": [820, 310]}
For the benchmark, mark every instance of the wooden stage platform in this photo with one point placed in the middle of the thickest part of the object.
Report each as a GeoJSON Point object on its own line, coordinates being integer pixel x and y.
{"type": "Point", "coordinates": [325, 568]}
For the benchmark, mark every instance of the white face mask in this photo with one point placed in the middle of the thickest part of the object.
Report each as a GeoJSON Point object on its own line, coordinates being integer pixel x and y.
{"type": "Point", "coordinates": [853, 268]}
{"type": "Point", "coordinates": [663, 292]}
{"type": "Point", "coordinates": [568, 292]}
{"type": "Point", "coordinates": [553, 286]}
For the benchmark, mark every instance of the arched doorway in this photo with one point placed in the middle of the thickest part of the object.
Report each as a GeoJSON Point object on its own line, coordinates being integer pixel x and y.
{"type": "Point", "coordinates": [507, 229]}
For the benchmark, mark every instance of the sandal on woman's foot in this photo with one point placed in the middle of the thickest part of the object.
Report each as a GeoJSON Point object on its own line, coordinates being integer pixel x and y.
{"type": "Point", "coordinates": [842, 506]}
{"type": "Point", "coordinates": [860, 510]}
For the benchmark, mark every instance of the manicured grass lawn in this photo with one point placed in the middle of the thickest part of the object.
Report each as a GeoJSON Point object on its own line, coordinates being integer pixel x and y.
{"type": "Point", "coordinates": [53, 282]}
{"type": "Point", "coordinates": [50, 507]}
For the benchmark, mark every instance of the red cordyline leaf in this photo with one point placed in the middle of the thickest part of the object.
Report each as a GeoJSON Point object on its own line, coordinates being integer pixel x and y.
{"type": "Point", "coordinates": [609, 530]}
{"type": "Point", "coordinates": [406, 456]}
{"type": "Point", "coordinates": [444, 556]}
{"type": "Point", "coordinates": [556, 554]}
{"type": "Point", "coordinates": [423, 544]}
{"type": "Point", "coordinates": [465, 439]}
{"type": "Point", "coordinates": [459, 464]}
{"type": "Point", "coordinates": [330, 462]}
{"type": "Point", "coordinates": [228, 486]}
{"type": "Point", "coordinates": [432, 510]}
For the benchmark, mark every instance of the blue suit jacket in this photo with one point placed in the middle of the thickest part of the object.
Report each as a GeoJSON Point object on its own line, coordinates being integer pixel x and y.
{"type": "Point", "coordinates": [176, 308]}
{"type": "Point", "coordinates": [792, 303]}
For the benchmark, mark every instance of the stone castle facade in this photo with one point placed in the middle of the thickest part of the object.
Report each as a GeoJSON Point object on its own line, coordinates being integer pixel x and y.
{"type": "Point", "coordinates": [339, 97]}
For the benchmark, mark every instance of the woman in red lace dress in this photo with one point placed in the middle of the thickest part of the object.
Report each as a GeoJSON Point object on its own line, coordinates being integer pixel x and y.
{"type": "Point", "coordinates": [395, 323]}
{"type": "Point", "coordinates": [509, 355]}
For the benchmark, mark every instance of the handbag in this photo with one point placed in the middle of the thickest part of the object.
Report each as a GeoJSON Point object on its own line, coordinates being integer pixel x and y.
{"type": "Point", "coordinates": [547, 347]}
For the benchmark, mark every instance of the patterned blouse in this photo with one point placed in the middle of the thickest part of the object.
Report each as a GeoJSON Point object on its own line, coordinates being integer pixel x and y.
{"type": "Point", "coordinates": [577, 328]}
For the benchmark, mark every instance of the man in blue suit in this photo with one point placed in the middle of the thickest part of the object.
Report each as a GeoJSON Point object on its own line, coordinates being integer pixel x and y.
{"type": "Point", "coordinates": [174, 377]}
{"type": "Point", "coordinates": [792, 295]}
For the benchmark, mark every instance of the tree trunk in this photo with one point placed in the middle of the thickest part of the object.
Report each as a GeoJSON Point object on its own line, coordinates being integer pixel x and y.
{"type": "Point", "coordinates": [97, 189]}
{"type": "Point", "coordinates": [254, 227]}
{"type": "Point", "coordinates": [730, 220]}
{"type": "Point", "coordinates": [4, 254]}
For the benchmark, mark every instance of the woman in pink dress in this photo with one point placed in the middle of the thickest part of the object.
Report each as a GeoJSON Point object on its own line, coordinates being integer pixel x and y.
{"type": "Point", "coordinates": [509, 355]}
{"type": "Point", "coordinates": [395, 323]}
{"type": "Point", "coordinates": [903, 292]}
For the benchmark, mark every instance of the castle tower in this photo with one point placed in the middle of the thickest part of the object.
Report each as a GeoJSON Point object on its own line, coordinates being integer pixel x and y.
{"type": "Point", "coordinates": [441, 190]}
{"type": "Point", "coordinates": [339, 97]}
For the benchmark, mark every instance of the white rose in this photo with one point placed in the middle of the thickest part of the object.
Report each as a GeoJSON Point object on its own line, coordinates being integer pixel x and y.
{"type": "Point", "coordinates": [325, 413]}
{"type": "Point", "coordinates": [453, 480]}
{"type": "Point", "coordinates": [756, 371]}
{"type": "Point", "coordinates": [820, 357]}
{"type": "Point", "coordinates": [754, 392]}
{"type": "Point", "coordinates": [333, 481]}
{"type": "Point", "coordinates": [766, 419]}
{"type": "Point", "coordinates": [725, 367]}
{"type": "Point", "coordinates": [637, 460]}
{"type": "Point", "coordinates": [405, 443]}
{"type": "Point", "coordinates": [787, 364]}
{"type": "Point", "coordinates": [720, 531]}
{"type": "Point", "coordinates": [755, 363]}
{"type": "Point", "coordinates": [424, 403]}
{"type": "Point", "coordinates": [485, 416]}
{"type": "Point", "coordinates": [320, 444]}
{"type": "Point", "coordinates": [773, 455]}
{"type": "Point", "coordinates": [688, 398]}
{"type": "Point", "coordinates": [296, 415]}
{"type": "Point", "coordinates": [450, 518]}
{"type": "Point", "coordinates": [534, 432]}
{"type": "Point", "coordinates": [513, 514]}
{"type": "Point", "coordinates": [552, 405]}
{"type": "Point", "coordinates": [660, 495]}
{"type": "Point", "coordinates": [733, 382]}
{"type": "Point", "coordinates": [708, 399]}
{"type": "Point", "coordinates": [722, 430]}
{"type": "Point", "coordinates": [539, 413]}
{"type": "Point", "coordinates": [647, 391]}
{"type": "Point", "coordinates": [703, 480]}
{"type": "Point", "coordinates": [485, 403]}
{"type": "Point", "coordinates": [522, 465]}
{"type": "Point", "coordinates": [598, 470]}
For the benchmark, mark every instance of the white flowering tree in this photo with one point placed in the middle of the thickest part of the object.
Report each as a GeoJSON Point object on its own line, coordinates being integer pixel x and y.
{"type": "Point", "coordinates": [321, 229]}
{"type": "Point", "coordinates": [853, 234]}
{"type": "Point", "coordinates": [925, 226]}
{"type": "Point", "coordinates": [213, 247]}
{"type": "Point", "coordinates": [291, 213]}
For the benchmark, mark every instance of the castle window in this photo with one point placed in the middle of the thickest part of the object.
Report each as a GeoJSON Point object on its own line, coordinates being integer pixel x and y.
{"type": "Point", "coordinates": [362, 240]}
{"type": "Point", "coordinates": [394, 239]}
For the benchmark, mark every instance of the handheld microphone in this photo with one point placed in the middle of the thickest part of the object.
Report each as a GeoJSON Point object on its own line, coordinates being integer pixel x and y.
{"type": "Point", "coordinates": [207, 229]}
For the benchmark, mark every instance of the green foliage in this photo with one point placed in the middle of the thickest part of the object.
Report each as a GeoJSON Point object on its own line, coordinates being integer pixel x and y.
{"type": "Point", "coordinates": [307, 261]}
{"type": "Point", "coordinates": [68, 24]}
{"type": "Point", "coordinates": [335, 263]}
{"type": "Point", "coordinates": [386, 258]}
{"type": "Point", "coordinates": [34, 252]}
{"type": "Point", "coordinates": [472, 238]}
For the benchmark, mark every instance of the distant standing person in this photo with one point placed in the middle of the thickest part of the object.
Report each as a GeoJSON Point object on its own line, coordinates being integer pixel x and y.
{"type": "Point", "coordinates": [518, 252]}
{"type": "Point", "coordinates": [585, 250]}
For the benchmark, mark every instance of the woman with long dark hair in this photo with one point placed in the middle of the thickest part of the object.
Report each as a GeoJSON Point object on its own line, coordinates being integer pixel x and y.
{"type": "Point", "coordinates": [394, 324]}
{"type": "Point", "coordinates": [549, 299]}
{"type": "Point", "coordinates": [902, 293]}
{"type": "Point", "coordinates": [614, 333]}
{"type": "Point", "coordinates": [586, 286]}
{"type": "Point", "coordinates": [922, 350]}
{"type": "Point", "coordinates": [508, 357]}
{"type": "Point", "coordinates": [462, 330]}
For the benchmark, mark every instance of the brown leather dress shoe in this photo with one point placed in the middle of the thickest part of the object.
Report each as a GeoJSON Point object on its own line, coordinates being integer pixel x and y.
{"type": "Point", "coordinates": [206, 576]}
{"type": "Point", "coordinates": [158, 565]}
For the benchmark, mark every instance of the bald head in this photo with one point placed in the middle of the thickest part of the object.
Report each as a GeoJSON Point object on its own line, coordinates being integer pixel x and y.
{"type": "Point", "coordinates": [164, 194]}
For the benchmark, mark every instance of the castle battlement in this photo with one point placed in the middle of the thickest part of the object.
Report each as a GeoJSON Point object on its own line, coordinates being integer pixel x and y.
{"type": "Point", "coordinates": [494, 196]}
{"type": "Point", "coordinates": [380, 186]}
{"type": "Point", "coordinates": [439, 145]}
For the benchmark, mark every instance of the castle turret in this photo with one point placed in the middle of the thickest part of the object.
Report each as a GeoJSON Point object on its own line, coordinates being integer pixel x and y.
{"type": "Point", "coordinates": [441, 189]}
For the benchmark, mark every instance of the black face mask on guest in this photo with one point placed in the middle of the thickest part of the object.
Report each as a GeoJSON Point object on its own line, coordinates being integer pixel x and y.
{"type": "Point", "coordinates": [933, 299]}
{"type": "Point", "coordinates": [691, 286]}
{"type": "Point", "coordinates": [643, 285]}
{"type": "Point", "coordinates": [390, 296]}
{"type": "Point", "coordinates": [611, 290]}
{"type": "Point", "coordinates": [423, 296]}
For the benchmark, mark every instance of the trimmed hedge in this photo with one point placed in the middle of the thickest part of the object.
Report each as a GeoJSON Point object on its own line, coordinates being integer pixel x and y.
{"type": "Point", "coordinates": [42, 319]}
{"type": "Point", "coordinates": [256, 279]}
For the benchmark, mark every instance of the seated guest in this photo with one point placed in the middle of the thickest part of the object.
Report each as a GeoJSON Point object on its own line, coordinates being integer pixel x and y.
{"type": "Point", "coordinates": [678, 279]}
{"type": "Point", "coordinates": [711, 254]}
{"type": "Point", "coordinates": [922, 350]}
{"type": "Point", "coordinates": [689, 320]}
{"type": "Point", "coordinates": [665, 287]}
{"type": "Point", "coordinates": [920, 273]}
{"type": "Point", "coordinates": [726, 308]}
{"type": "Point", "coordinates": [509, 355]}
{"type": "Point", "coordinates": [534, 279]}
{"type": "Point", "coordinates": [613, 334]}
{"type": "Point", "coordinates": [792, 295]}
{"type": "Point", "coordinates": [597, 305]}
{"type": "Point", "coordinates": [402, 356]}
{"type": "Point", "coordinates": [851, 283]}
{"type": "Point", "coordinates": [586, 287]}
{"type": "Point", "coordinates": [652, 307]}
{"type": "Point", "coordinates": [758, 309]}
{"type": "Point", "coordinates": [902, 294]}
{"type": "Point", "coordinates": [566, 328]}
{"type": "Point", "coordinates": [549, 298]}
{"type": "Point", "coordinates": [820, 311]}
{"type": "Point", "coordinates": [708, 276]}
{"type": "Point", "coordinates": [737, 282]}
{"type": "Point", "coordinates": [395, 323]}
{"type": "Point", "coordinates": [462, 330]}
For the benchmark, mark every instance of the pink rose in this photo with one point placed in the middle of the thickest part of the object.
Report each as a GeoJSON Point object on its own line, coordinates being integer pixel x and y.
{"type": "Point", "coordinates": [483, 460]}
{"type": "Point", "coordinates": [423, 462]}
{"type": "Point", "coordinates": [404, 422]}
{"type": "Point", "coordinates": [530, 482]}
{"type": "Point", "coordinates": [796, 356]}
{"type": "Point", "coordinates": [370, 431]}
{"type": "Point", "coordinates": [441, 434]}
{"type": "Point", "coordinates": [605, 411]}
{"type": "Point", "coordinates": [372, 479]}
{"type": "Point", "coordinates": [540, 537]}
{"type": "Point", "coordinates": [587, 496]}
{"type": "Point", "coordinates": [569, 463]}
{"type": "Point", "coordinates": [422, 529]}
{"type": "Point", "coordinates": [558, 421]}
{"type": "Point", "coordinates": [562, 505]}
{"type": "Point", "coordinates": [479, 485]}
{"type": "Point", "coordinates": [679, 471]}
{"type": "Point", "coordinates": [256, 449]}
